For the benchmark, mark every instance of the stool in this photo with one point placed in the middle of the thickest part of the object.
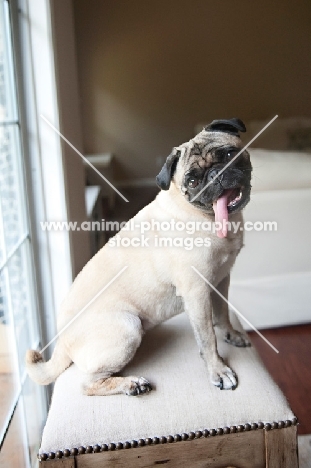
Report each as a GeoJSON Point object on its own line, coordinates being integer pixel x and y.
{"type": "Point", "coordinates": [183, 422]}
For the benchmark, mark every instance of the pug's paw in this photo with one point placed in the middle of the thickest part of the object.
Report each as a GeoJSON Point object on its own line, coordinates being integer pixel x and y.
{"type": "Point", "coordinates": [224, 377]}
{"type": "Point", "coordinates": [138, 386]}
{"type": "Point", "coordinates": [237, 338]}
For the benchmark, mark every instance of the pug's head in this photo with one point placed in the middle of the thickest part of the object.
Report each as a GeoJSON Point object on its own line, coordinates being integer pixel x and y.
{"type": "Point", "coordinates": [206, 172]}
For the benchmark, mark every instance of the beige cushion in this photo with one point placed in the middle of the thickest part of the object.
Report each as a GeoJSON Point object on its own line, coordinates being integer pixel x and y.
{"type": "Point", "coordinates": [272, 275]}
{"type": "Point", "coordinates": [280, 170]}
{"type": "Point", "coordinates": [183, 399]}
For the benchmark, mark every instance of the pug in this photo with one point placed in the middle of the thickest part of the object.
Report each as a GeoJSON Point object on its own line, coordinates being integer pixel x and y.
{"type": "Point", "coordinates": [202, 182]}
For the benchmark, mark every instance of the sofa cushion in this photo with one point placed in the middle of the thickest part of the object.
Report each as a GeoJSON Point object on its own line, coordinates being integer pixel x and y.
{"type": "Point", "coordinates": [183, 400]}
{"type": "Point", "coordinates": [280, 170]}
{"type": "Point", "coordinates": [271, 277]}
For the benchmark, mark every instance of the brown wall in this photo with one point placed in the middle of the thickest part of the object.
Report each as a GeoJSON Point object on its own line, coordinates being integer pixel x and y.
{"type": "Point", "coordinates": [150, 70]}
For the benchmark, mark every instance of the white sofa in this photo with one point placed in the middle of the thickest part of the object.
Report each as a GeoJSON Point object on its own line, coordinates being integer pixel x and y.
{"type": "Point", "coordinates": [271, 281]}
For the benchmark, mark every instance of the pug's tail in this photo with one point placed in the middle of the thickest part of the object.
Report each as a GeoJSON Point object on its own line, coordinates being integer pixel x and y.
{"type": "Point", "coordinates": [43, 372]}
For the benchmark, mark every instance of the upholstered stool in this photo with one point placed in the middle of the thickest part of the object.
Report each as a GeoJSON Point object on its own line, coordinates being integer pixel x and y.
{"type": "Point", "coordinates": [184, 422]}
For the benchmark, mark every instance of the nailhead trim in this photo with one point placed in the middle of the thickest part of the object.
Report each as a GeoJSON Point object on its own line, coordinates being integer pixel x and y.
{"type": "Point", "coordinates": [169, 439]}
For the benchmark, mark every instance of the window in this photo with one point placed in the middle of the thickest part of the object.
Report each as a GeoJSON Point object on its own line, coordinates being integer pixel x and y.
{"type": "Point", "coordinates": [23, 403]}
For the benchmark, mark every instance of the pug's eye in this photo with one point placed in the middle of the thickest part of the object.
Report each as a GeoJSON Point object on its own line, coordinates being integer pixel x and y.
{"type": "Point", "coordinates": [193, 183]}
{"type": "Point", "coordinates": [232, 153]}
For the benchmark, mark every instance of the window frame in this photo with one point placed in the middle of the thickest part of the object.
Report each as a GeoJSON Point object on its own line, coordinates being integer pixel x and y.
{"type": "Point", "coordinates": [52, 273]}
{"type": "Point", "coordinates": [24, 247]}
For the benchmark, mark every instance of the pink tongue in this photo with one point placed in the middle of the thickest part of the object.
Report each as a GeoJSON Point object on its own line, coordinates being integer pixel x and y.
{"type": "Point", "coordinates": [221, 213]}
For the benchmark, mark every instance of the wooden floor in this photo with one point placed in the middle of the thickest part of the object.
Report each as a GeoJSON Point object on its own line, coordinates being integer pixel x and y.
{"type": "Point", "coordinates": [291, 368]}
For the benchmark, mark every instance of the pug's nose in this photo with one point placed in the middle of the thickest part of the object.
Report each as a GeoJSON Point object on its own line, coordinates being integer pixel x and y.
{"type": "Point", "coordinates": [214, 177]}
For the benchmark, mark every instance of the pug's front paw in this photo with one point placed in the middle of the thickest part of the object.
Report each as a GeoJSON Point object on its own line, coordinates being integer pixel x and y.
{"type": "Point", "coordinates": [237, 338]}
{"type": "Point", "coordinates": [224, 377]}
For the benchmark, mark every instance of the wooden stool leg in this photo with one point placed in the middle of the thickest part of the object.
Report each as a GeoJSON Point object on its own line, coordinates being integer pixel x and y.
{"type": "Point", "coordinates": [281, 448]}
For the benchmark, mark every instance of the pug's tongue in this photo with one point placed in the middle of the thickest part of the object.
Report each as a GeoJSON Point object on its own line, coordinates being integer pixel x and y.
{"type": "Point", "coordinates": [221, 213]}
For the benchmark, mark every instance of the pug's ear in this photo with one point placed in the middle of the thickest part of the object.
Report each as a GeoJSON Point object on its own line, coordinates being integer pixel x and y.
{"type": "Point", "coordinates": [165, 175]}
{"type": "Point", "coordinates": [232, 126]}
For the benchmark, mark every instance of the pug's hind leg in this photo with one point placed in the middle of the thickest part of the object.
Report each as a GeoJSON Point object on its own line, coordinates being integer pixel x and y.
{"type": "Point", "coordinates": [221, 316]}
{"type": "Point", "coordinates": [113, 385]}
{"type": "Point", "coordinates": [106, 351]}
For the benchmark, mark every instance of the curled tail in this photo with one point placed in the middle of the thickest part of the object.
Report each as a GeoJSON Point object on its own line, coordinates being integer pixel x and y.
{"type": "Point", "coordinates": [43, 372]}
